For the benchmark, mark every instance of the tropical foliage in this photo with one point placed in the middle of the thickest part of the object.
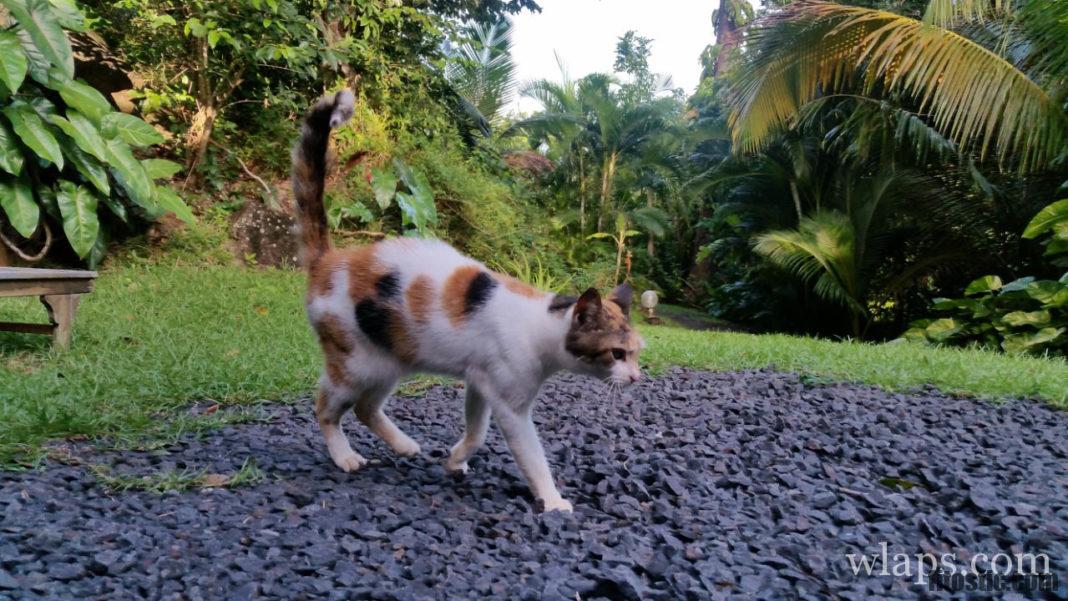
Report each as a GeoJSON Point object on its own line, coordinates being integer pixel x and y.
{"type": "Point", "coordinates": [1025, 315]}
{"type": "Point", "coordinates": [877, 157]}
{"type": "Point", "coordinates": [66, 155]}
{"type": "Point", "coordinates": [841, 169]}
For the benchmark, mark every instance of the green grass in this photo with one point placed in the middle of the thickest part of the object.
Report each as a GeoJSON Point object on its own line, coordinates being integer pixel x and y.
{"type": "Point", "coordinates": [893, 366]}
{"type": "Point", "coordinates": [154, 338]}
{"type": "Point", "coordinates": [161, 482]}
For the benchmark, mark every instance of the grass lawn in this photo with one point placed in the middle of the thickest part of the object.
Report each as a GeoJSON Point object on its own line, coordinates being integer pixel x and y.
{"type": "Point", "coordinates": [153, 338]}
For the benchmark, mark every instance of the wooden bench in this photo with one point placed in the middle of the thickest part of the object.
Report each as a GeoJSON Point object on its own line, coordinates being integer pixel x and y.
{"type": "Point", "coordinates": [59, 289]}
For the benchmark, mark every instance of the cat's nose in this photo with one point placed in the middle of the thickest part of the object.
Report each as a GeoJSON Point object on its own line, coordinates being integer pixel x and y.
{"type": "Point", "coordinates": [635, 377]}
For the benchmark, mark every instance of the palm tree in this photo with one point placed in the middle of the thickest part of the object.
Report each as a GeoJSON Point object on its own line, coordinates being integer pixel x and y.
{"type": "Point", "coordinates": [841, 248]}
{"type": "Point", "coordinates": [728, 21]}
{"type": "Point", "coordinates": [481, 69]}
{"type": "Point", "coordinates": [594, 129]}
{"type": "Point", "coordinates": [974, 96]}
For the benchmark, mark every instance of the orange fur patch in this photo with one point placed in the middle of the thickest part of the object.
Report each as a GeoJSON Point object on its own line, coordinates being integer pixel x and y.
{"type": "Point", "coordinates": [453, 296]}
{"type": "Point", "coordinates": [403, 344]}
{"type": "Point", "coordinates": [420, 295]}
{"type": "Point", "coordinates": [364, 271]}
{"type": "Point", "coordinates": [320, 274]}
{"type": "Point", "coordinates": [336, 345]}
{"type": "Point", "coordinates": [517, 286]}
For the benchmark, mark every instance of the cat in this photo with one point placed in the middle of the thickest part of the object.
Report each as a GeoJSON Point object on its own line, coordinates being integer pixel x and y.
{"type": "Point", "coordinates": [406, 305]}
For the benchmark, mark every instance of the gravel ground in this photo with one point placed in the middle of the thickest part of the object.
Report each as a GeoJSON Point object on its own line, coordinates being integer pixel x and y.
{"type": "Point", "coordinates": [690, 486]}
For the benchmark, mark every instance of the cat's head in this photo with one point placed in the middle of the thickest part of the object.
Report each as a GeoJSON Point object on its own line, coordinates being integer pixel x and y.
{"type": "Point", "coordinates": [601, 337]}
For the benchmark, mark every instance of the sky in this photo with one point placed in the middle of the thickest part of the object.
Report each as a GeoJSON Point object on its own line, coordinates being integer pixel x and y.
{"type": "Point", "coordinates": [584, 33]}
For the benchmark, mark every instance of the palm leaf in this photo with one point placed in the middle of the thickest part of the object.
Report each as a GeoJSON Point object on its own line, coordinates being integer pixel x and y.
{"type": "Point", "coordinates": [974, 97]}
{"type": "Point", "coordinates": [821, 250]}
{"type": "Point", "coordinates": [949, 13]}
{"type": "Point", "coordinates": [481, 69]}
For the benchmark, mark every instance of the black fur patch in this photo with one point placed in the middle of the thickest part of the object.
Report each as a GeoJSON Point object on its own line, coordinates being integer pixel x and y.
{"type": "Point", "coordinates": [388, 286]}
{"type": "Point", "coordinates": [478, 292]}
{"type": "Point", "coordinates": [374, 319]}
{"type": "Point", "coordinates": [562, 303]}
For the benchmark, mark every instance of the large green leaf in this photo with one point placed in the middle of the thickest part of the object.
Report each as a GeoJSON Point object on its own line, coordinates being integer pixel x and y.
{"type": "Point", "coordinates": [33, 132]}
{"type": "Point", "coordinates": [987, 283]}
{"type": "Point", "coordinates": [10, 153]}
{"type": "Point", "coordinates": [130, 174]}
{"type": "Point", "coordinates": [36, 63]}
{"type": "Point", "coordinates": [1044, 291]}
{"type": "Point", "coordinates": [12, 61]}
{"type": "Point", "coordinates": [68, 15]}
{"type": "Point", "coordinates": [16, 198]}
{"type": "Point", "coordinates": [941, 329]}
{"type": "Point", "coordinates": [1027, 318]}
{"type": "Point", "coordinates": [116, 207]}
{"type": "Point", "coordinates": [1047, 219]}
{"type": "Point", "coordinates": [83, 132]}
{"type": "Point", "coordinates": [39, 20]}
{"type": "Point", "coordinates": [90, 168]}
{"type": "Point", "coordinates": [160, 168]}
{"type": "Point", "coordinates": [131, 129]}
{"type": "Point", "coordinates": [384, 183]}
{"type": "Point", "coordinates": [169, 201]}
{"type": "Point", "coordinates": [77, 205]}
{"type": "Point", "coordinates": [1018, 343]}
{"type": "Point", "coordinates": [85, 99]}
{"type": "Point", "coordinates": [1017, 285]}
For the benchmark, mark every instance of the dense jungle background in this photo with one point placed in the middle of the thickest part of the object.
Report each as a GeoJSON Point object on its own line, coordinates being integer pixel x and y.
{"type": "Point", "coordinates": [866, 169]}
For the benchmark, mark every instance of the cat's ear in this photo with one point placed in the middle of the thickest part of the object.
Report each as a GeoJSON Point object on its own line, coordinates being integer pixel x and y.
{"type": "Point", "coordinates": [588, 306]}
{"type": "Point", "coordinates": [622, 296]}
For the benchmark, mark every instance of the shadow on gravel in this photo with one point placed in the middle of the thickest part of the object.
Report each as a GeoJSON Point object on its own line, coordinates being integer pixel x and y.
{"type": "Point", "coordinates": [691, 486]}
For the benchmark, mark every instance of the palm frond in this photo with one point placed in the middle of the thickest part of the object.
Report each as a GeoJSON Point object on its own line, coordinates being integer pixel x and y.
{"type": "Point", "coordinates": [950, 13]}
{"type": "Point", "coordinates": [481, 69]}
{"type": "Point", "coordinates": [822, 251]}
{"type": "Point", "coordinates": [974, 97]}
{"type": "Point", "coordinates": [1045, 23]}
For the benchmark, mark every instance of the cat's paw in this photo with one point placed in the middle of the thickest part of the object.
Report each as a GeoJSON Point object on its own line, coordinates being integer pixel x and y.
{"type": "Point", "coordinates": [350, 462]}
{"type": "Point", "coordinates": [458, 468]}
{"type": "Point", "coordinates": [558, 505]}
{"type": "Point", "coordinates": [406, 448]}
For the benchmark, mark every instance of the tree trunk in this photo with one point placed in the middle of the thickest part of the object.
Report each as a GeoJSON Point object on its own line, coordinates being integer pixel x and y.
{"type": "Point", "coordinates": [582, 196]}
{"type": "Point", "coordinates": [198, 136]}
{"type": "Point", "coordinates": [797, 199]}
{"type": "Point", "coordinates": [650, 246]}
{"type": "Point", "coordinates": [728, 35]}
{"type": "Point", "coordinates": [608, 174]}
{"type": "Point", "coordinates": [621, 244]}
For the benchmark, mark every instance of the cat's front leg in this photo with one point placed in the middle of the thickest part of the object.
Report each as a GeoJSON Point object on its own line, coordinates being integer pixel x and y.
{"type": "Point", "coordinates": [476, 422]}
{"type": "Point", "coordinates": [512, 411]}
{"type": "Point", "coordinates": [522, 438]}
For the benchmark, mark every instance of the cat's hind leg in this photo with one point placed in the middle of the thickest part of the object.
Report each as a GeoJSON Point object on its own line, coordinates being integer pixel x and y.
{"type": "Point", "coordinates": [369, 411]}
{"type": "Point", "coordinates": [477, 418]}
{"type": "Point", "coordinates": [333, 402]}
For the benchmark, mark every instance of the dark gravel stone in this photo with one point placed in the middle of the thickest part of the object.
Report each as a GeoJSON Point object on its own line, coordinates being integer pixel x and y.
{"type": "Point", "coordinates": [749, 485]}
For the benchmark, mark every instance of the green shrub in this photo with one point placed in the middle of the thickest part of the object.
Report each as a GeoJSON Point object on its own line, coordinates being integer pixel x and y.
{"type": "Point", "coordinates": [65, 154]}
{"type": "Point", "coordinates": [1025, 315]}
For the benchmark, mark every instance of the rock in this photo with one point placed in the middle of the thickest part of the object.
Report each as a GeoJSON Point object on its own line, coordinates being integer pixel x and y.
{"type": "Point", "coordinates": [824, 500]}
{"type": "Point", "coordinates": [700, 486]}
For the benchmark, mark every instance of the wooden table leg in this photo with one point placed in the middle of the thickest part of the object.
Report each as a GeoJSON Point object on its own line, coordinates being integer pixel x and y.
{"type": "Point", "coordinates": [61, 309]}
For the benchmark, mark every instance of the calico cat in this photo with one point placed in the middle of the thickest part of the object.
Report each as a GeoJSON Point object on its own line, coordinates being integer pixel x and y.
{"type": "Point", "coordinates": [404, 305]}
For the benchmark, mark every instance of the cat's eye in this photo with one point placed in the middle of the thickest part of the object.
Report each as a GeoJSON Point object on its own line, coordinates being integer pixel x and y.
{"type": "Point", "coordinates": [618, 354]}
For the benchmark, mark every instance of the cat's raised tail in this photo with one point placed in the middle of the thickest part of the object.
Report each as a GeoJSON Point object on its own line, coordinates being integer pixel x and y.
{"type": "Point", "coordinates": [309, 171]}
